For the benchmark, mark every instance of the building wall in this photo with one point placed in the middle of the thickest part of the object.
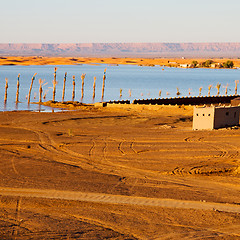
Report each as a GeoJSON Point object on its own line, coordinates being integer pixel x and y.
{"type": "Point", "coordinates": [235, 102]}
{"type": "Point", "coordinates": [215, 117]}
{"type": "Point", "coordinates": [226, 116]}
{"type": "Point", "coordinates": [203, 118]}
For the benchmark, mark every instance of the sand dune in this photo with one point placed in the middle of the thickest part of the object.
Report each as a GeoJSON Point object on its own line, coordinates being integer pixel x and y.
{"type": "Point", "coordinates": [174, 62]}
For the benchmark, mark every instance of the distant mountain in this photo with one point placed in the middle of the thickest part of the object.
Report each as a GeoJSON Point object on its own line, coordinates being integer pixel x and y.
{"type": "Point", "coordinates": [123, 49]}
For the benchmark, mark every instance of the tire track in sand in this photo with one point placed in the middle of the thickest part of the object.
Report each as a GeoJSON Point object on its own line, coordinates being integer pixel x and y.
{"type": "Point", "coordinates": [120, 147]}
{"type": "Point", "coordinates": [119, 199]}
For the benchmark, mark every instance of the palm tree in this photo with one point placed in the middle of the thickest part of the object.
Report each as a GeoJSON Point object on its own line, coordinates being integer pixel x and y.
{"type": "Point", "coordinates": [189, 91]}
{"type": "Point", "coordinates": [218, 88]}
{"type": "Point", "coordinates": [130, 92]}
{"type": "Point", "coordinates": [236, 83]}
{"type": "Point", "coordinates": [54, 83]}
{"type": "Point", "coordinates": [209, 89]}
{"type": "Point", "coordinates": [41, 84]}
{"type": "Point", "coordinates": [18, 85]}
{"type": "Point", "coordinates": [73, 91]}
{"type": "Point", "coordinates": [160, 93]}
{"type": "Point", "coordinates": [83, 77]}
{"type": "Point", "coordinates": [64, 86]}
{"type": "Point", "coordinates": [103, 84]}
{"type": "Point", "coordinates": [30, 89]}
{"type": "Point", "coordinates": [94, 87]}
{"type": "Point", "coordinates": [178, 93]}
{"type": "Point", "coordinates": [6, 87]}
{"type": "Point", "coordinates": [226, 89]}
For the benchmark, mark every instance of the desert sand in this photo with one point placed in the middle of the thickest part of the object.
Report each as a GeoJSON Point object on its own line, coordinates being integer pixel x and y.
{"type": "Point", "coordinates": [121, 172]}
{"type": "Point", "coordinates": [38, 60]}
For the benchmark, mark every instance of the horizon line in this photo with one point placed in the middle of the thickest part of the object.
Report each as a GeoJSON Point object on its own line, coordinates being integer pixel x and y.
{"type": "Point", "coordinates": [115, 42]}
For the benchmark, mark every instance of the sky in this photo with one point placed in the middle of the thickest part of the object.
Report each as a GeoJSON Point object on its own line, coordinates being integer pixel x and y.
{"type": "Point", "coordinates": [111, 21]}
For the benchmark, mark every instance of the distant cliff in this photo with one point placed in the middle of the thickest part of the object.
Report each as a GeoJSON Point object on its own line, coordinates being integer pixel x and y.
{"type": "Point", "coordinates": [124, 49]}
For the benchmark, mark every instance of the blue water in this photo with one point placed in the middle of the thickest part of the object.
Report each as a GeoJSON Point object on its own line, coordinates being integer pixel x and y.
{"type": "Point", "coordinates": [144, 82]}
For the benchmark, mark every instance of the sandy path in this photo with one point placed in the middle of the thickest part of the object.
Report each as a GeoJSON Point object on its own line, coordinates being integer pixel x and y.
{"type": "Point", "coordinates": [117, 199]}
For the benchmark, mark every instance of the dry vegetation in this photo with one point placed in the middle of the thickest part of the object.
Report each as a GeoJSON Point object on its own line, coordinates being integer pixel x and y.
{"type": "Point", "coordinates": [132, 172]}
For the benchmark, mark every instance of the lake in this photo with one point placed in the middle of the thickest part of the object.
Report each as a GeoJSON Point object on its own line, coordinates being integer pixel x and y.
{"type": "Point", "coordinates": [143, 82]}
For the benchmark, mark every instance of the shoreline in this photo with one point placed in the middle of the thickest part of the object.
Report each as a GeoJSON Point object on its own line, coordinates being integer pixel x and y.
{"type": "Point", "coordinates": [151, 62]}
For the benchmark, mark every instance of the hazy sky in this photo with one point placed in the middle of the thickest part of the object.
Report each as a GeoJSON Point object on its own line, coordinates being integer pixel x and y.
{"type": "Point", "coordinates": [82, 21]}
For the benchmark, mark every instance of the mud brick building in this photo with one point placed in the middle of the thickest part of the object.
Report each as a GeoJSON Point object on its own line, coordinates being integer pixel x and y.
{"type": "Point", "coordinates": [215, 117]}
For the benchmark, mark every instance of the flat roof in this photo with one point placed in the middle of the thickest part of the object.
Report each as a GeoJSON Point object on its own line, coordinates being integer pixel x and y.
{"type": "Point", "coordinates": [222, 106]}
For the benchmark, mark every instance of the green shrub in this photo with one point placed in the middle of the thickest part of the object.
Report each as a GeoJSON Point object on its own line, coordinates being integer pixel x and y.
{"type": "Point", "coordinates": [228, 64]}
{"type": "Point", "coordinates": [207, 63]}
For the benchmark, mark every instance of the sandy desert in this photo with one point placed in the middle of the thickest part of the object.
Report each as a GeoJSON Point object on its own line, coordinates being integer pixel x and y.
{"type": "Point", "coordinates": [122, 172]}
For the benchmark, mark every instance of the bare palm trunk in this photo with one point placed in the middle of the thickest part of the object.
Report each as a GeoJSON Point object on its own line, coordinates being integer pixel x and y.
{"type": "Point", "coordinates": [18, 86]}
{"type": "Point", "coordinates": [64, 86]}
{"type": "Point", "coordinates": [218, 88]}
{"type": "Point", "coordinates": [94, 87]}
{"type": "Point", "coordinates": [73, 91]}
{"type": "Point", "coordinates": [6, 88]}
{"type": "Point", "coordinates": [54, 84]}
{"type": "Point", "coordinates": [40, 90]}
{"type": "Point", "coordinates": [30, 89]}
{"type": "Point", "coordinates": [236, 83]}
{"type": "Point", "coordinates": [103, 85]}
{"type": "Point", "coordinates": [82, 92]}
{"type": "Point", "coordinates": [209, 90]}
